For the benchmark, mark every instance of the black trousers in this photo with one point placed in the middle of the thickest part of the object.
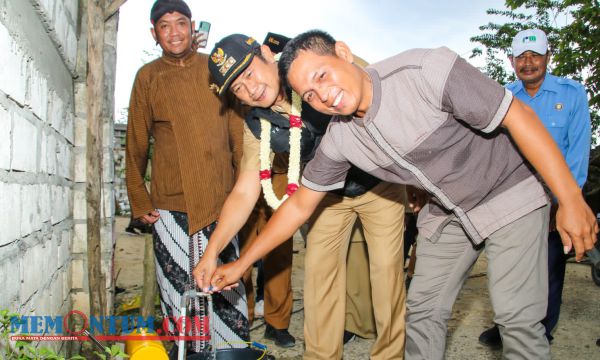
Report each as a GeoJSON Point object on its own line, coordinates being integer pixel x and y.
{"type": "Point", "coordinates": [557, 262]}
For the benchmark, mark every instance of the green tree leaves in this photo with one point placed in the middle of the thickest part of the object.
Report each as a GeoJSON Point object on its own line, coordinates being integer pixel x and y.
{"type": "Point", "coordinates": [573, 29]}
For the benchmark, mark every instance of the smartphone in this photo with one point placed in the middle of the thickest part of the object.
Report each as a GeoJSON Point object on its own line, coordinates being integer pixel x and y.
{"type": "Point", "coordinates": [202, 33]}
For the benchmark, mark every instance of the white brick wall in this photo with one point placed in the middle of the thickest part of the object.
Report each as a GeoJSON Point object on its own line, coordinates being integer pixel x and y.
{"type": "Point", "coordinates": [79, 279]}
{"type": "Point", "coordinates": [79, 241]}
{"type": "Point", "coordinates": [79, 204]}
{"type": "Point", "coordinates": [71, 45]}
{"type": "Point", "coordinates": [45, 203]}
{"type": "Point", "coordinates": [64, 250]}
{"type": "Point", "coordinates": [61, 16]}
{"type": "Point", "coordinates": [51, 154]}
{"type": "Point", "coordinates": [51, 250]}
{"type": "Point", "coordinates": [64, 159]}
{"type": "Point", "coordinates": [56, 293]}
{"type": "Point", "coordinates": [38, 93]}
{"type": "Point", "coordinates": [107, 269]}
{"type": "Point", "coordinates": [61, 203]}
{"type": "Point", "coordinates": [108, 166]}
{"type": "Point", "coordinates": [33, 277]}
{"type": "Point", "coordinates": [60, 22]}
{"type": "Point", "coordinates": [9, 277]}
{"type": "Point", "coordinates": [56, 110]}
{"type": "Point", "coordinates": [30, 214]}
{"type": "Point", "coordinates": [23, 276]}
{"type": "Point", "coordinates": [10, 216]}
{"type": "Point", "coordinates": [80, 129]}
{"type": "Point", "coordinates": [71, 8]}
{"type": "Point", "coordinates": [66, 280]}
{"type": "Point", "coordinates": [44, 139]}
{"type": "Point", "coordinates": [69, 131]}
{"type": "Point", "coordinates": [25, 140]}
{"type": "Point", "coordinates": [80, 165]}
{"type": "Point", "coordinates": [42, 159]}
{"type": "Point", "coordinates": [79, 238]}
{"type": "Point", "coordinates": [13, 65]}
{"type": "Point", "coordinates": [107, 241]}
{"type": "Point", "coordinates": [5, 137]}
{"type": "Point", "coordinates": [47, 6]}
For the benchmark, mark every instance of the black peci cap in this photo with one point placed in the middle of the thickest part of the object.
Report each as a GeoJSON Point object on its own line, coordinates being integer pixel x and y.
{"type": "Point", "coordinates": [162, 7]}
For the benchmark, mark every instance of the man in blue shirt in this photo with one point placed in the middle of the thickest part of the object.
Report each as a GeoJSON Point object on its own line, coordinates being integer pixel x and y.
{"type": "Point", "coordinates": [562, 106]}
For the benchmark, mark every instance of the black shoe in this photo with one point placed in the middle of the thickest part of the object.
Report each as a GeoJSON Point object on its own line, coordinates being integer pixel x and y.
{"type": "Point", "coordinates": [131, 230]}
{"type": "Point", "coordinates": [189, 354]}
{"type": "Point", "coordinates": [145, 229]}
{"type": "Point", "coordinates": [173, 353]}
{"type": "Point", "coordinates": [282, 338]}
{"type": "Point", "coordinates": [491, 338]}
{"type": "Point", "coordinates": [348, 337]}
{"type": "Point", "coordinates": [598, 342]}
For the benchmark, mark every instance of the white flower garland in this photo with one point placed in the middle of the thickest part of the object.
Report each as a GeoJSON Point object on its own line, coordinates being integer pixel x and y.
{"type": "Point", "coordinates": [294, 161]}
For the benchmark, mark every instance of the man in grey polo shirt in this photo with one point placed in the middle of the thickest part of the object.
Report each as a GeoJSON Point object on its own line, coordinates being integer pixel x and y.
{"type": "Point", "coordinates": [427, 118]}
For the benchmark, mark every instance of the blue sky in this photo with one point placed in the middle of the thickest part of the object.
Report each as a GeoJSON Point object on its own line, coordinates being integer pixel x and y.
{"type": "Point", "coordinates": [374, 29]}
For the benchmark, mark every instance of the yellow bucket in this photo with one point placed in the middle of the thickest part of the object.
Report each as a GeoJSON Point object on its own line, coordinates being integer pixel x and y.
{"type": "Point", "coordinates": [144, 349]}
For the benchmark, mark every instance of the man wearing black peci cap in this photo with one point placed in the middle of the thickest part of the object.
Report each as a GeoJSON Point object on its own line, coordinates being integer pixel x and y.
{"type": "Point", "coordinates": [239, 64]}
{"type": "Point", "coordinates": [196, 147]}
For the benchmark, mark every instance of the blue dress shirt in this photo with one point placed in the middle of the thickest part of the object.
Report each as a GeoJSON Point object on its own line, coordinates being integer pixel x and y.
{"type": "Point", "coordinates": [562, 106]}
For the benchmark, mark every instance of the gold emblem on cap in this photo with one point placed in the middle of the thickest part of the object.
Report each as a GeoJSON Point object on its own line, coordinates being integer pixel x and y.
{"type": "Point", "coordinates": [223, 61]}
{"type": "Point", "coordinates": [218, 57]}
{"type": "Point", "coordinates": [250, 41]}
{"type": "Point", "coordinates": [224, 68]}
{"type": "Point", "coordinates": [558, 106]}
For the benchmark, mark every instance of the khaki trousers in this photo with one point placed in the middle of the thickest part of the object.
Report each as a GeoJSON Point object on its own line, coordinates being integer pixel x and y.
{"type": "Point", "coordinates": [360, 319]}
{"type": "Point", "coordinates": [277, 265]}
{"type": "Point", "coordinates": [381, 212]}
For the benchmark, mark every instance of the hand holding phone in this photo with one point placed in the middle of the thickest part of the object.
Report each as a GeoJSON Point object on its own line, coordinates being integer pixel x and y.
{"type": "Point", "coordinates": [201, 35]}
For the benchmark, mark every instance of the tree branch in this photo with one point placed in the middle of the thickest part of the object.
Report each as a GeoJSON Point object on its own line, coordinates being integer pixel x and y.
{"type": "Point", "coordinates": [113, 8]}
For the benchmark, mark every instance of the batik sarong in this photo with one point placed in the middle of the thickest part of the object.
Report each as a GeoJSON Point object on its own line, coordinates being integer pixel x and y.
{"type": "Point", "coordinates": [176, 253]}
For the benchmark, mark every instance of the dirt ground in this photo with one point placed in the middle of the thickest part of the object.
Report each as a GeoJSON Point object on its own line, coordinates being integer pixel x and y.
{"type": "Point", "coordinates": [575, 336]}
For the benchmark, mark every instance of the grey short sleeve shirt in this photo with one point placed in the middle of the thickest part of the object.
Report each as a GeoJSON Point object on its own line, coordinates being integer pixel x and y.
{"type": "Point", "coordinates": [434, 123]}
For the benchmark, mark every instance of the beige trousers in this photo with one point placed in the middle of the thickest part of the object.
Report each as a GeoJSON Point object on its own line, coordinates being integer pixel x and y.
{"type": "Point", "coordinates": [277, 265]}
{"type": "Point", "coordinates": [360, 319]}
{"type": "Point", "coordinates": [381, 212]}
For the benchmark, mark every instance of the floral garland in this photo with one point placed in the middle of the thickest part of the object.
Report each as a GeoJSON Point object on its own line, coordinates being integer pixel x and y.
{"type": "Point", "coordinates": [294, 161]}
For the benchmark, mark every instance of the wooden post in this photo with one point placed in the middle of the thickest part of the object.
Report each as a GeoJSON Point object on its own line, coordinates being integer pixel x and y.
{"type": "Point", "coordinates": [97, 13]}
{"type": "Point", "coordinates": [113, 8]}
{"type": "Point", "coordinates": [94, 153]}
{"type": "Point", "coordinates": [150, 289]}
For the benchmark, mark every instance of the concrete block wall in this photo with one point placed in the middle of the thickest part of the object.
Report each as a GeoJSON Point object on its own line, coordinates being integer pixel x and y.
{"type": "Point", "coordinates": [122, 200]}
{"type": "Point", "coordinates": [36, 155]}
{"type": "Point", "coordinates": [43, 263]}
{"type": "Point", "coordinates": [60, 18]}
